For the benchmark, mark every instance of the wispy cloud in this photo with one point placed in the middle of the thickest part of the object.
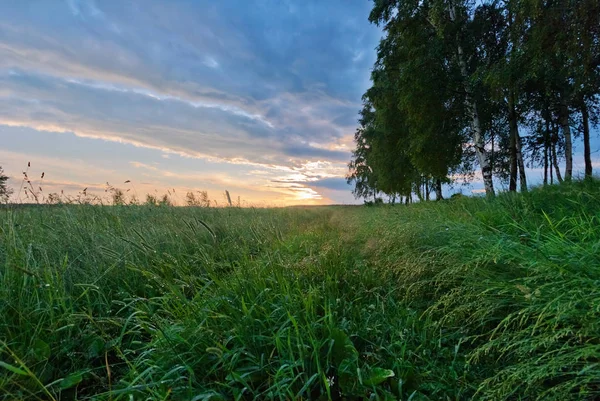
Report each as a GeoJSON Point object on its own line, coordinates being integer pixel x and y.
{"type": "Point", "coordinates": [272, 86]}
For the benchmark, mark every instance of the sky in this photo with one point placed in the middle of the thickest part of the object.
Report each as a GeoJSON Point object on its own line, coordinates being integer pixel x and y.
{"type": "Point", "coordinates": [259, 98]}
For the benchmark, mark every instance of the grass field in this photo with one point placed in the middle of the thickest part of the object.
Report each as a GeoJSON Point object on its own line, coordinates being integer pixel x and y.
{"type": "Point", "coordinates": [462, 299]}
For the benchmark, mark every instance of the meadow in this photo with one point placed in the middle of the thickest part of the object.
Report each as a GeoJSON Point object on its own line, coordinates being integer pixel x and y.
{"type": "Point", "coordinates": [486, 299]}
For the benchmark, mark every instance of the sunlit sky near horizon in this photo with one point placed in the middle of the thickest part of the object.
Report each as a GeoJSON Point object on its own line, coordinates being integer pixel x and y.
{"type": "Point", "coordinates": [259, 98]}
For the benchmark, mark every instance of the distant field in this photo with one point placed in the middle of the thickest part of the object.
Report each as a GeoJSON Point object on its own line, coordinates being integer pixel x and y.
{"type": "Point", "coordinates": [467, 298]}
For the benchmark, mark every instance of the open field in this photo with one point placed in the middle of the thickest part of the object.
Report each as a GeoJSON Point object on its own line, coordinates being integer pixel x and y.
{"type": "Point", "coordinates": [467, 298]}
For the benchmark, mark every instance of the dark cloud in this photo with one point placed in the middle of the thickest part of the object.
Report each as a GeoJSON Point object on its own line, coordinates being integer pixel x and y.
{"type": "Point", "coordinates": [312, 153]}
{"type": "Point", "coordinates": [334, 183]}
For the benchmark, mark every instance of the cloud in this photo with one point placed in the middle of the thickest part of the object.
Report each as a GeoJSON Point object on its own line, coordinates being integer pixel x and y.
{"type": "Point", "coordinates": [211, 62]}
{"type": "Point", "coordinates": [334, 183]}
{"type": "Point", "coordinates": [331, 183]}
{"type": "Point", "coordinates": [271, 84]}
{"type": "Point", "coordinates": [262, 49]}
{"type": "Point", "coordinates": [118, 114]}
{"type": "Point", "coordinates": [83, 9]}
{"type": "Point", "coordinates": [143, 166]}
{"type": "Point", "coordinates": [312, 153]}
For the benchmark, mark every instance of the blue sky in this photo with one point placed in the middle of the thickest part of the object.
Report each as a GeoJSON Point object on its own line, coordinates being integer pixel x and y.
{"type": "Point", "coordinates": [256, 97]}
{"type": "Point", "coordinates": [259, 98]}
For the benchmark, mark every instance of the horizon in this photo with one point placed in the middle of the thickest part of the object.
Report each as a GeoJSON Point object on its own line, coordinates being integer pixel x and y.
{"type": "Point", "coordinates": [259, 99]}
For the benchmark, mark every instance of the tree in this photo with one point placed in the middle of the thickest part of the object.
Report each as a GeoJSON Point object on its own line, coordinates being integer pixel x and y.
{"type": "Point", "coordinates": [413, 123]}
{"type": "Point", "coordinates": [562, 51]}
{"type": "Point", "coordinates": [5, 190]}
{"type": "Point", "coordinates": [457, 79]}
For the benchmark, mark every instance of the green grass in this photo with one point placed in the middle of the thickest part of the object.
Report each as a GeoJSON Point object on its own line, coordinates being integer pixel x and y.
{"type": "Point", "coordinates": [462, 299]}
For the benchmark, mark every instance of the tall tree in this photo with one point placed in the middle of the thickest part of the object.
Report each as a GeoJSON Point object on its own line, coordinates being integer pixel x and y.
{"type": "Point", "coordinates": [456, 79]}
{"type": "Point", "coordinates": [435, 33]}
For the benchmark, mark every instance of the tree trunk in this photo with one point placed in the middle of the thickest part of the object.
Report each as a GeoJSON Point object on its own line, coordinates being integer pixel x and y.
{"type": "Point", "coordinates": [513, 129]}
{"type": "Point", "coordinates": [551, 169]}
{"type": "Point", "coordinates": [563, 116]}
{"type": "Point", "coordinates": [438, 189]}
{"type": "Point", "coordinates": [555, 162]}
{"type": "Point", "coordinates": [418, 192]}
{"type": "Point", "coordinates": [545, 162]}
{"type": "Point", "coordinates": [586, 140]}
{"type": "Point", "coordinates": [547, 144]}
{"type": "Point", "coordinates": [426, 189]}
{"type": "Point", "coordinates": [521, 163]}
{"type": "Point", "coordinates": [471, 104]}
{"type": "Point", "coordinates": [492, 152]}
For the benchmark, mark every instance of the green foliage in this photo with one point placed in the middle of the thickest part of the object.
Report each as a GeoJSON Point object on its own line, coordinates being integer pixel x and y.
{"type": "Point", "coordinates": [409, 125]}
{"type": "Point", "coordinates": [492, 299]}
{"type": "Point", "coordinates": [458, 79]}
{"type": "Point", "coordinates": [5, 190]}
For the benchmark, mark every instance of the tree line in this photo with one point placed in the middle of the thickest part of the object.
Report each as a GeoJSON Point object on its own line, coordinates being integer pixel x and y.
{"type": "Point", "coordinates": [488, 86]}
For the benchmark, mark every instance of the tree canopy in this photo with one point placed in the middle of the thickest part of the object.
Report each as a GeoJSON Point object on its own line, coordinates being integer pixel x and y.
{"type": "Point", "coordinates": [462, 88]}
